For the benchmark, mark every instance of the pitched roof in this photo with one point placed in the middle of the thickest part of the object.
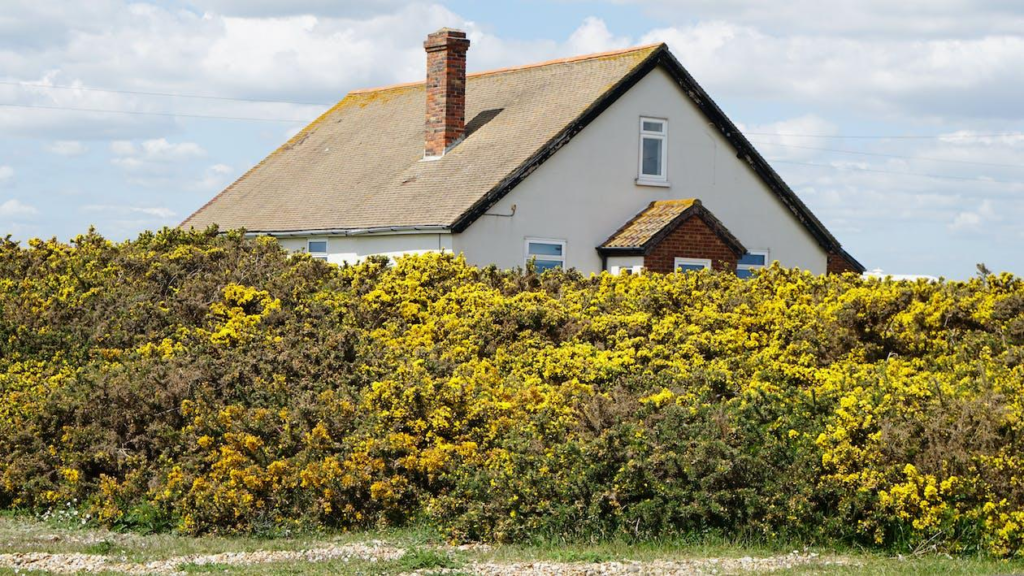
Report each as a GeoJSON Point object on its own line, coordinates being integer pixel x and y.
{"type": "Point", "coordinates": [359, 165]}
{"type": "Point", "coordinates": [645, 230]}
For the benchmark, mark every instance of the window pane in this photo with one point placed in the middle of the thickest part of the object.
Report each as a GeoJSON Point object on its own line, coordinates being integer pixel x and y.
{"type": "Point", "coordinates": [318, 246]}
{"type": "Point", "coordinates": [753, 259]}
{"type": "Point", "coordinates": [542, 265]}
{"type": "Point", "coordinates": [689, 267]}
{"type": "Point", "coordinates": [545, 249]}
{"type": "Point", "coordinates": [745, 273]}
{"type": "Point", "coordinates": [652, 126]}
{"type": "Point", "coordinates": [651, 165]}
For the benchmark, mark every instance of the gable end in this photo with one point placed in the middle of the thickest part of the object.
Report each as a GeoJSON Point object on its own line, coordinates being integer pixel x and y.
{"type": "Point", "coordinates": [745, 151]}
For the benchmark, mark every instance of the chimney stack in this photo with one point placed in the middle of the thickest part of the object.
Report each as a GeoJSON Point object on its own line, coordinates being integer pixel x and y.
{"type": "Point", "coordinates": [446, 90]}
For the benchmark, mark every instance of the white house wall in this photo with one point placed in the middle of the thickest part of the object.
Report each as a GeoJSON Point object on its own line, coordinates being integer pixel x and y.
{"type": "Point", "coordinates": [587, 190]}
{"type": "Point", "coordinates": [352, 249]}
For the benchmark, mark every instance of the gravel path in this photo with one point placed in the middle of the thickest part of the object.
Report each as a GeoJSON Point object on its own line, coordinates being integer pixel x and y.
{"type": "Point", "coordinates": [375, 551]}
{"type": "Point", "coordinates": [77, 563]}
{"type": "Point", "coordinates": [699, 566]}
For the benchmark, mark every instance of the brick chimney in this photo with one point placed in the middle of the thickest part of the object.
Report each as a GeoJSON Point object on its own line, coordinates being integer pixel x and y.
{"type": "Point", "coordinates": [446, 90]}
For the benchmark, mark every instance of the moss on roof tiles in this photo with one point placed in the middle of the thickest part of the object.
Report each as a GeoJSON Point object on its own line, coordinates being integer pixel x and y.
{"type": "Point", "coordinates": [648, 223]}
{"type": "Point", "coordinates": [358, 164]}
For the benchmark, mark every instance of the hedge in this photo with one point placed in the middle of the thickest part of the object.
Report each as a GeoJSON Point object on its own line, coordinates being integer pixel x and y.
{"type": "Point", "coordinates": [213, 383]}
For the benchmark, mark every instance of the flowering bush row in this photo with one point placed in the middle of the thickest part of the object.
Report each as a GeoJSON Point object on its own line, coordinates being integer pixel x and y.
{"type": "Point", "coordinates": [212, 383]}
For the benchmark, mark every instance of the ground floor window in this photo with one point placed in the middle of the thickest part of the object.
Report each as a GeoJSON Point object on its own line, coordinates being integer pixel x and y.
{"type": "Point", "coordinates": [751, 261]}
{"type": "Point", "coordinates": [625, 270]}
{"type": "Point", "coordinates": [545, 253]}
{"type": "Point", "coordinates": [317, 249]}
{"type": "Point", "coordinates": [689, 264]}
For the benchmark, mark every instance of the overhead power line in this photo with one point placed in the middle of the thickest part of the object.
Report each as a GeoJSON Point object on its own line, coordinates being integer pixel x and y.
{"type": "Point", "coordinates": [859, 153]}
{"type": "Point", "coordinates": [144, 113]}
{"type": "Point", "coordinates": [145, 93]}
{"type": "Point", "coordinates": [891, 136]}
{"type": "Point", "coordinates": [976, 179]}
{"type": "Point", "coordinates": [269, 101]}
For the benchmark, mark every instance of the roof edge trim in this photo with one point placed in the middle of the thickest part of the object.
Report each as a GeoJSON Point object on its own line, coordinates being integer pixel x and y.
{"type": "Point", "coordinates": [381, 230]}
{"type": "Point", "coordinates": [694, 210]}
{"type": "Point", "coordinates": [558, 140]}
{"type": "Point", "coordinates": [567, 60]}
{"type": "Point", "coordinates": [745, 151]}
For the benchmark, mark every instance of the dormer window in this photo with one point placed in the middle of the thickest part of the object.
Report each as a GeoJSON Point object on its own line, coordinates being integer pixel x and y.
{"type": "Point", "coordinates": [653, 152]}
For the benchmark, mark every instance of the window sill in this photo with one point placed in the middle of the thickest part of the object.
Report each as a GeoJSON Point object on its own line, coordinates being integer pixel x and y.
{"type": "Point", "coordinates": [657, 183]}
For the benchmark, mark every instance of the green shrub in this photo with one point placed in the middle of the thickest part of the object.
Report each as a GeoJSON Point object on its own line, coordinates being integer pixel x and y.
{"type": "Point", "coordinates": [213, 383]}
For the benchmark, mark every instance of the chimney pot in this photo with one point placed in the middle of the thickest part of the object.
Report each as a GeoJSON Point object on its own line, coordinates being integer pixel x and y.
{"type": "Point", "coordinates": [446, 90]}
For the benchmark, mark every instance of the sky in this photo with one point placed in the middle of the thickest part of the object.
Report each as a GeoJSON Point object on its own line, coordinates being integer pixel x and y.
{"type": "Point", "coordinates": [901, 124]}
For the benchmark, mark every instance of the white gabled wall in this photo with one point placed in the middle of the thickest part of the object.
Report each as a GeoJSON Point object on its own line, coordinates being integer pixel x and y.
{"type": "Point", "coordinates": [587, 190]}
{"type": "Point", "coordinates": [352, 249]}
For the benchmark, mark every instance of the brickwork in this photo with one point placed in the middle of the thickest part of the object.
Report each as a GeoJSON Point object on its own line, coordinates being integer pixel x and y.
{"type": "Point", "coordinates": [838, 264]}
{"type": "Point", "coordinates": [691, 239]}
{"type": "Point", "coordinates": [446, 89]}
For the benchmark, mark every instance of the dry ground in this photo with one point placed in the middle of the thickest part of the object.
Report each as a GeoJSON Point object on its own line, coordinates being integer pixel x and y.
{"type": "Point", "coordinates": [32, 546]}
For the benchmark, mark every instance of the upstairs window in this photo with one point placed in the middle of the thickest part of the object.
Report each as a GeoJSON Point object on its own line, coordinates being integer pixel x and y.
{"type": "Point", "coordinates": [653, 151]}
{"type": "Point", "coordinates": [546, 254]}
{"type": "Point", "coordinates": [317, 249]}
{"type": "Point", "coordinates": [753, 260]}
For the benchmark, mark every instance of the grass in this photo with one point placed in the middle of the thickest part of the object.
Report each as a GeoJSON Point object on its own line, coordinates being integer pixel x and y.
{"type": "Point", "coordinates": [425, 552]}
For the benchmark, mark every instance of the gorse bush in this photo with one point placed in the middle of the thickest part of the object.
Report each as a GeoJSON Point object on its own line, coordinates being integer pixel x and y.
{"type": "Point", "coordinates": [209, 383]}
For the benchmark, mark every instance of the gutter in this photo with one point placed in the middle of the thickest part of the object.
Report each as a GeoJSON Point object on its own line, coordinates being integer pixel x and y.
{"type": "Point", "coordinates": [382, 230]}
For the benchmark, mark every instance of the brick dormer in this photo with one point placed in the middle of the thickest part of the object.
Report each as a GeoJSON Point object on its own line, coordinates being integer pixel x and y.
{"type": "Point", "coordinates": [668, 230]}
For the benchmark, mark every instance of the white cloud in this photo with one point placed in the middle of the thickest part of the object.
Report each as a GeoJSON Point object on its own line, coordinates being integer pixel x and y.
{"type": "Point", "coordinates": [16, 208]}
{"type": "Point", "coordinates": [229, 51]}
{"type": "Point", "coordinates": [852, 65]}
{"type": "Point", "coordinates": [347, 9]}
{"type": "Point", "coordinates": [162, 150]}
{"type": "Point", "coordinates": [67, 148]}
{"type": "Point", "coordinates": [123, 148]}
{"type": "Point", "coordinates": [973, 221]}
{"type": "Point", "coordinates": [965, 220]}
{"type": "Point", "coordinates": [897, 77]}
{"type": "Point", "coordinates": [157, 212]}
{"type": "Point", "coordinates": [782, 139]}
{"type": "Point", "coordinates": [157, 150]}
{"type": "Point", "coordinates": [215, 178]}
{"type": "Point", "coordinates": [867, 18]}
{"type": "Point", "coordinates": [593, 36]}
{"type": "Point", "coordinates": [973, 137]}
{"type": "Point", "coordinates": [157, 162]}
{"type": "Point", "coordinates": [6, 175]}
{"type": "Point", "coordinates": [153, 155]}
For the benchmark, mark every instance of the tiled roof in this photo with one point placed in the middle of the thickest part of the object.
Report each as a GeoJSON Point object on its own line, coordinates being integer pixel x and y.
{"type": "Point", "coordinates": [359, 166]}
{"type": "Point", "coordinates": [645, 230]}
{"type": "Point", "coordinates": [645, 225]}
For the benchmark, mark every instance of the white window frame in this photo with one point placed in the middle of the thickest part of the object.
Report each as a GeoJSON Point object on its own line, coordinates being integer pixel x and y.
{"type": "Point", "coordinates": [526, 250]}
{"type": "Point", "coordinates": [651, 179]}
{"type": "Point", "coordinates": [767, 260]}
{"type": "Point", "coordinates": [318, 255]}
{"type": "Point", "coordinates": [625, 270]}
{"type": "Point", "coordinates": [679, 261]}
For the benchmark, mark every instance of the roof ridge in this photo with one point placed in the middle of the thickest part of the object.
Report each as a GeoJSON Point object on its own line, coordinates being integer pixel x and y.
{"type": "Point", "coordinates": [677, 201]}
{"type": "Point", "coordinates": [567, 60]}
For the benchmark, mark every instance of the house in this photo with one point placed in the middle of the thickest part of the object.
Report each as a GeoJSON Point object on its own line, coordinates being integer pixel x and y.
{"type": "Point", "coordinates": [614, 161]}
